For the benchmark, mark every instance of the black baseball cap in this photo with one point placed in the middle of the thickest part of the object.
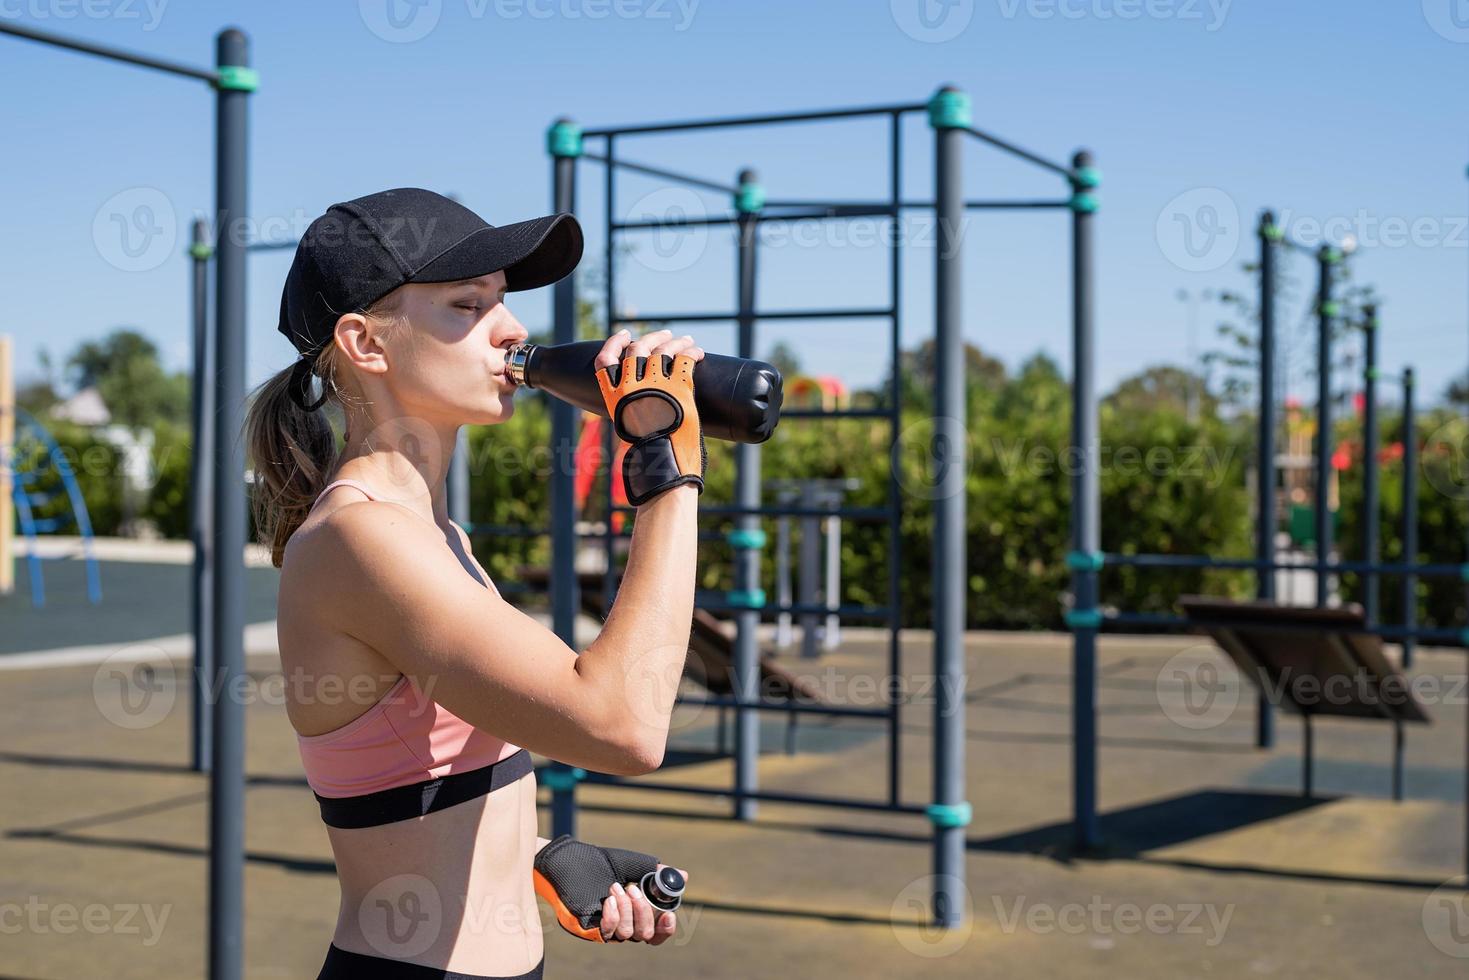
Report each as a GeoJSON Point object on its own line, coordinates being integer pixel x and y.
{"type": "Point", "coordinates": [361, 250]}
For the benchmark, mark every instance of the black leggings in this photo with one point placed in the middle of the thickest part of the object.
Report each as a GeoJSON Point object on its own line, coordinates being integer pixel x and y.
{"type": "Point", "coordinates": [342, 965]}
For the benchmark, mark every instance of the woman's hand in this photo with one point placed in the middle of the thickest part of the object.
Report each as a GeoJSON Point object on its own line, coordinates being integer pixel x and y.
{"type": "Point", "coordinates": [648, 414]}
{"type": "Point", "coordinates": [628, 916]}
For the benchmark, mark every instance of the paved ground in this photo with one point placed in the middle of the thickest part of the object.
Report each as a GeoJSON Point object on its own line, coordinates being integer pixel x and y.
{"type": "Point", "coordinates": [1217, 867]}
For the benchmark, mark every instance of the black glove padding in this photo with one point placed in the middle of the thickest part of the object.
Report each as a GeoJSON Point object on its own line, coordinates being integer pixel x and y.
{"type": "Point", "coordinates": [671, 455]}
{"type": "Point", "coordinates": [575, 878]}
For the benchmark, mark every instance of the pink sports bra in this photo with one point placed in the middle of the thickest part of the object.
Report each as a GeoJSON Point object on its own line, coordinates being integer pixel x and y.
{"type": "Point", "coordinates": [405, 756]}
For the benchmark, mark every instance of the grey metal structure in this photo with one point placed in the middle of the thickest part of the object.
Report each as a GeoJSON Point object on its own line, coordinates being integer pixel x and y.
{"type": "Point", "coordinates": [223, 612]}
{"type": "Point", "coordinates": [1265, 563]}
{"type": "Point", "coordinates": [949, 116]}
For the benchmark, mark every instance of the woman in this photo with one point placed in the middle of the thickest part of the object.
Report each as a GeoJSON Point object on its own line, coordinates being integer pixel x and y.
{"type": "Point", "coordinates": [414, 688]}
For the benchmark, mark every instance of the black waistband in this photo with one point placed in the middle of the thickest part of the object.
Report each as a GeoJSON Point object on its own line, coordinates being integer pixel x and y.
{"type": "Point", "coordinates": [343, 965]}
{"type": "Point", "coordinates": [407, 802]}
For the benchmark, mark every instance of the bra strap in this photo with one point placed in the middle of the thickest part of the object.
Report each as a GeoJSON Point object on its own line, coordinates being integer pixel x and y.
{"type": "Point", "coordinates": [357, 484]}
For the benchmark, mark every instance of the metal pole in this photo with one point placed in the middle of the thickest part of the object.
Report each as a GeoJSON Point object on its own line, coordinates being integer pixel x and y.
{"type": "Point", "coordinates": [808, 559]}
{"type": "Point", "coordinates": [949, 115]}
{"type": "Point", "coordinates": [458, 483]}
{"type": "Point", "coordinates": [227, 787]}
{"type": "Point", "coordinates": [1085, 559]}
{"type": "Point", "coordinates": [1371, 508]}
{"type": "Point", "coordinates": [564, 143]}
{"type": "Point", "coordinates": [200, 532]}
{"type": "Point", "coordinates": [1325, 312]}
{"type": "Point", "coordinates": [748, 538]}
{"type": "Point", "coordinates": [1265, 482]}
{"type": "Point", "coordinates": [1410, 518]}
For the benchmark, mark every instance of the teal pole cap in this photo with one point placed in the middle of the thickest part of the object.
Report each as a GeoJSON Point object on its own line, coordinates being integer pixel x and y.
{"type": "Point", "coordinates": [563, 139]}
{"type": "Point", "coordinates": [1085, 561]}
{"type": "Point", "coordinates": [750, 195]}
{"type": "Point", "coordinates": [563, 779]}
{"type": "Point", "coordinates": [1084, 202]}
{"type": "Point", "coordinates": [950, 814]}
{"type": "Point", "coordinates": [1089, 177]}
{"type": "Point", "coordinates": [1083, 619]}
{"type": "Point", "coordinates": [950, 109]}
{"type": "Point", "coordinates": [236, 78]}
{"type": "Point", "coordinates": [746, 598]}
{"type": "Point", "coordinates": [748, 538]}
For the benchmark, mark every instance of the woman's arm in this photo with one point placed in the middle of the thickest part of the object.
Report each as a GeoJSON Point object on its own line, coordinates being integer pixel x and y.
{"type": "Point", "coordinates": [391, 583]}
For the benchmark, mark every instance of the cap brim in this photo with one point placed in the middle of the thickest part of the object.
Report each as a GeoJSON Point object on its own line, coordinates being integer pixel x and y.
{"type": "Point", "coordinates": [532, 253]}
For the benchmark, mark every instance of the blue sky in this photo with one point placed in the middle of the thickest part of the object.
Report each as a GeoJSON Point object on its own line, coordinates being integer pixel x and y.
{"type": "Point", "coordinates": [1344, 115]}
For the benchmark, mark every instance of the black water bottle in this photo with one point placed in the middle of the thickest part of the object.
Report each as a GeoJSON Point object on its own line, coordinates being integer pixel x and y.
{"type": "Point", "coordinates": [738, 398]}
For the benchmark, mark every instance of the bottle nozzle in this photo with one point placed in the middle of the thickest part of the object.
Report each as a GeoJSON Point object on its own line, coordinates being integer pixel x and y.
{"type": "Point", "coordinates": [516, 359]}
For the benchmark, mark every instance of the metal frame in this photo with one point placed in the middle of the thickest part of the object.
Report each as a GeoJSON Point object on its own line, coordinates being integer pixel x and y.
{"type": "Point", "coordinates": [222, 597]}
{"type": "Point", "coordinates": [1086, 618]}
{"type": "Point", "coordinates": [949, 117]}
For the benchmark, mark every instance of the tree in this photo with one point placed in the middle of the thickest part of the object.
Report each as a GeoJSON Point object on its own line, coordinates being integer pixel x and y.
{"type": "Point", "coordinates": [125, 369]}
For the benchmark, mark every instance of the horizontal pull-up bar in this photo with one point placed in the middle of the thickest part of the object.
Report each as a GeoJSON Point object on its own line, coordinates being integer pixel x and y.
{"type": "Point", "coordinates": [1437, 570]}
{"type": "Point", "coordinates": [1445, 637]}
{"type": "Point", "coordinates": [855, 313]}
{"type": "Point", "coordinates": [768, 120]}
{"type": "Point", "coordinates": [1014, 150]}
{"type": "Point", "coordinates": [114, 54]}
{"type": "Point", "coordinates": [836, 413]}
{"type": "Point", "coordinates": [643, 168]}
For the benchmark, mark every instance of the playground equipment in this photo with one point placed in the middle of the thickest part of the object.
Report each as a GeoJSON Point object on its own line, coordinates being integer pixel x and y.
{"type": "Point", "coordinates": [41, 478]}
{"type": "Point", "coordinates": [1086, 618]}
{"type": "Point", "coordinates": [232, 80]}
{"type": "Point", "coordinates": [818, 534]}
{"type": "Point", "coordinates": [949, 116]}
